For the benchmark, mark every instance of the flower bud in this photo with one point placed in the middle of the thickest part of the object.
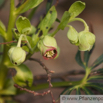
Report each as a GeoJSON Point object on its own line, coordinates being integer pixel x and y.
{"type": "Point", "coordinates": [73, 35]}
{"type": "Point", "coordinates": [48, 47]}
{"type": "Point", "coordinates": [86, 40]}
{"type": "Point", "coordinates": [17, 55]}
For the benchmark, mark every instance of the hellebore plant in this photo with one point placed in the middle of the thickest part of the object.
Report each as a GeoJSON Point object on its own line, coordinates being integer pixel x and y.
{"type": "Point", "coordinates": [28, 40]}
{"type": "Point", "coordinates": [48, 47]}
{"type": "Point", "coordinates": [17, 55]}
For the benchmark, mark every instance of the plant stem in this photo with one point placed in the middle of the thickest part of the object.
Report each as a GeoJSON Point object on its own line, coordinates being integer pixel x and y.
{"type": "Point", "coordinates": [2, 33]}
{"type": "Point", "coordinates": [3, 75]}
{"type": "Point", "coordinates": [21, 7]}
{"type": "Point", "coordinates": [20, 39]}
{"type": "Point", "coordinates": [56, 84]}
{"type": "Point", "coordinates": [53, 34]}
{"type": "Point", "coordinates": [8, 37]}
{"type": "Point", "coordinates": [79, 19]}
{"type": "Point", "coordinates": [88, 70]}
{"type": "Point", "coordinates": [12, 19]}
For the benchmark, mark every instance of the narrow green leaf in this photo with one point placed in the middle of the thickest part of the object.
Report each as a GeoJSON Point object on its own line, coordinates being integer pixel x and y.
{"type": "Point", "coordinates": [28, 4]}
{"type": "Point", "coordinates": [95, 77]}
{"type": "Point", "coordinates": [78, 91]}
{"type": "Point", "coordinates": [100, 71]}
{"type": "Point", "coordinates": [97, 62]}
{"type": "Point", "coordinates": [87, 55]}
{"type": "Point", "coordinates": [76, 8]}
{"type": "Point", "coordinates": [47, 22]}
{"type": "Point", "coordinates": [79, 60]}
{"type": "Point", "coordinates": [67, 91]}
{"type": "Point", "coordinates": [23, 76]}
{"type": "Point", "coordinates": [48, 5]}
{"type": "Point", "coordinates": [97, 86]}
{"type": "Point", "coordinates": [23, 25]}
{"type": "Point", "coordinates": [87, 91]}
{"type": "Point", "coordinates": [64, 20]}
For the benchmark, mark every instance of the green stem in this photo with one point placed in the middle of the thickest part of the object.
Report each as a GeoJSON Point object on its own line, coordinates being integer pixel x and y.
{"type": "Point", "coordinates": [88, 70]}
{"type": "Point", "coordinates": [21, 7]}
{"type": "Point", "coordinates": [79, 19]}
{"type": "Point", "coordinates": [56, 84]}
{"type": "Point", "coordinates": [53, 34]}
{"type": "Point", "coordinates": [8, 37]}
{"type": "Point", "coordinates": [20, 39]}
{"type": "Point", "coordinates": [3, 75]}
{"type": "Point", "coordinates": [2, 32]}
{"type": "Point", "coordinates": [12, 19]}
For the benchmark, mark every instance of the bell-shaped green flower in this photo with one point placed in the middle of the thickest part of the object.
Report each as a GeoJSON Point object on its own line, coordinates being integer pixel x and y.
{"type": "Point", "coordinates": [17, 55]}
{"type": "Point", "coordinates": [48, 47]}
{"type": "Point", "coordinates": [73, 35]}
{"type": "Point", "coordinates": [86, 40]}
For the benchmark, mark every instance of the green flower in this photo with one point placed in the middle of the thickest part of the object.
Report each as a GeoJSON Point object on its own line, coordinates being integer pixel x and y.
{"type": "Point", "coordinates": [17, 55]}
{"type": "Point", "coordinates": [73, 35]}
{"type": "Point", "coordinates": [48, 47]}
{"type": "Point", "coordinates": [86, 40]}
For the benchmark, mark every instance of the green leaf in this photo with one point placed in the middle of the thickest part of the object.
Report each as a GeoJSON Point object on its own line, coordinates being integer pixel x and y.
{"type": "Point", "coordinates": [23, 25]}
{"type": "Point", "coordinates": [67, 91]}
{"type": "Point", "coordinates": [76, 8]}
{"type": "Point", "coordinates": [97, 86]}
{"type": "Point", "coordinates": [9, 88]}
{"type": "Point", "coordinates": [2, 26]}
{"type": "Point", "coordinates": [87, 55]}
{"type": "Point", "coordinates": [47, 22]}
{"type": "Point", "coordinates": [100, 71]}
{"type": "Point", "coordinates": [78, 91]}
{"type": "Point", "coordinates": [48, 5]}
{"type": "Point", "coordinates": [87, 91]}
{"type": "Point", "coordinates": [35, 39]}
{"type": "Point", "coordinates": [95, 77]}
{"type": "Point", "coordinates": [28, 4]}
{"type": "Point", "coordinates": [33, 30]}
{"type": "Point", "coordinates": [24, 76]}
{"type": "Point", "coordinates": [64, 20]}
{"type": "Point", "coordinates": [97, 62]}
{"type": "Point", "coordinates": [78, 59]}
{"type": "Point", "coordinates": [25, 47]}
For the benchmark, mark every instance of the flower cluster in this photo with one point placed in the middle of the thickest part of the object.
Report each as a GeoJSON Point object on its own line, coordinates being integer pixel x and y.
{"type": "Point", "coordinates": [84, 39]}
